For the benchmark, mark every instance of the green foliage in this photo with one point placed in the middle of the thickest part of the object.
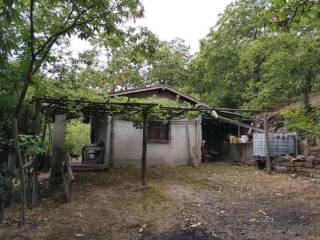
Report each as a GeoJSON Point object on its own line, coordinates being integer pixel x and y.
{"type": "Point", "coordinates": [169, 63]}
{"type": "Point", "coordinates": [278, 68]}
{"type": "Point", "coordinates": [142, 60]}
{"type": "Point", "coordinates": [260, 52]}
{"type": "Point", "coordinates": [306, 124]}
{"type": "Point", "coordinates": [30, 145]}
{"type": "Point", "coordinates": [298, 15]}
{"type": "Point", "coordinates": [77, 135]}
{"type": "Point", "coordinates": [33, 38]}
{"type": "Point", "coordinates": [155, 112]}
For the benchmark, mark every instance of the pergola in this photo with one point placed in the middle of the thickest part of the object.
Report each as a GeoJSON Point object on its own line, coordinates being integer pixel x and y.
{"type": "Point", "coordinates": [61, 109]}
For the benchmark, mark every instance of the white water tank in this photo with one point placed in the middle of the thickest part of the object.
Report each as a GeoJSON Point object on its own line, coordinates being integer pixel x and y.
{"type": "Point", "coordinates": [280, 144]}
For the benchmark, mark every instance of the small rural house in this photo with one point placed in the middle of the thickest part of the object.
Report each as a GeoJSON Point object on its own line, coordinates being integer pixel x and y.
{"type": "Point", "coordinates": [176, 143]}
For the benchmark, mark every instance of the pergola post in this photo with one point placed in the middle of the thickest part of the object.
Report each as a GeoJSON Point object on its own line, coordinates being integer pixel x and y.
{"type": "Point", "coordinates": [266, 134]}
{"type": "Point", "coordinates": [57, 147]}
{"type": "Point", "coordinates": [144, 147]}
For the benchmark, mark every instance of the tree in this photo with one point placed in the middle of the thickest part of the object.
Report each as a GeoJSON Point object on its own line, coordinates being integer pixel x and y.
{"type": "Point", "coordinates": [241, 21]}
{"type": "Point", "coordinates": [300, 15]}
{"type": "Point", "coordinates": [30, 29]}
{"type": "Point", "coordinates": [145, 60]}
{"type": "Point", "coordinates": [260, 52]}
{"type": "Point", "coordinates": [214, 75]}
{"type": "Point", "coordinates": [215, 72]}
{"type": "Point", "coordinates": [130, 63]}
{"type": "Point", "coordinates": [169, 63]}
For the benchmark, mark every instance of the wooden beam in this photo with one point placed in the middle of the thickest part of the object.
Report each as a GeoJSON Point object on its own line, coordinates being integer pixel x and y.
{"type": "Point", "coordinates": [37, 122]}
{"type": "Point", "coordinates": [239, 110]}
{"type": "Point", "coordinates": [144, 148]}
{"type": "Point", "coordinates": [204, 109]}
{"type": "Point", "coordinates": [111, 156]}
{"type": "Point", "coordinates": [238, 123]}
{"type": "Point", "coordinates": [266, 132]}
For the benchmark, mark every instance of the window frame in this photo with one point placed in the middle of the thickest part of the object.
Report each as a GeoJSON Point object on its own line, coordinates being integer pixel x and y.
{"type": "Point", "coordinates": [164, 141]}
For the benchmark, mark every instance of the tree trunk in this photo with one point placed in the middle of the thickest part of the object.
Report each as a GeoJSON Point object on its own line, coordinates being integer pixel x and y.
{"type": "Point", "coordinates": [306, 100]}
{"type": "Point", "coordinates": [21, 171]}
{"type": "Point", "coordinates": [305, 91]}
{"type": "Point", "coordinates": [1, 211]}
{"type": "Point", "coordinates": [37, 130]}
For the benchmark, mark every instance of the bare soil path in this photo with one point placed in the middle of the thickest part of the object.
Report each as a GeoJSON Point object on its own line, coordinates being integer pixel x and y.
{"type": "Point", "coordinates": [215, 201]}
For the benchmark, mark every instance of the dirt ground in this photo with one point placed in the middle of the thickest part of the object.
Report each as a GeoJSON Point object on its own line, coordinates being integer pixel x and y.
{"type": "Point", "coordinates": [215, 201]}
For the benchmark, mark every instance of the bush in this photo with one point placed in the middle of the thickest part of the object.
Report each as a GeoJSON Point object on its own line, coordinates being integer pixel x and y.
{"type": "Point", "coordinates": [77, 136]}
{"type": "Point", "coordinates": [306, 124]}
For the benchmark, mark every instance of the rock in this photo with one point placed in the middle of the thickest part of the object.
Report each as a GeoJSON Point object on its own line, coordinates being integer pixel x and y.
{"type": "Point", "coordinates": [286, 157]}
{"type": "Point", "coordinates": [281, 169]}
{"type": "Point", "coordinates": [142, 228]}
{"type": "Point", "coordinates": [196, 225]}
{"type": "Point", "coordinates": [311, 158]}
{"type": "Point", "coordinates": [316, 161]}
{"type": "Point", "coordinates": [314, 180]}
{"type": "Point", "coordinates": [293, 175]}
{"type": "Point", "coordinates": [261, 212]}
{"type": "Point", "coordinates": [301, 158]}
{"type": "Point", "coordinates": [79, 235]}
{"type": "Point", "coordinates": [315, 149]}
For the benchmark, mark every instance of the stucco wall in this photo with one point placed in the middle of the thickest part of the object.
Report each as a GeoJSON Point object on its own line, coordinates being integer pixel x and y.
{"type": "Point", "coordinates": [127, 147]}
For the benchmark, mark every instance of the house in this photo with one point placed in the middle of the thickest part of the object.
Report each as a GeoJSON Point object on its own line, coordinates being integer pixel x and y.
{"type": "Point", "coordinates": [177, 142]}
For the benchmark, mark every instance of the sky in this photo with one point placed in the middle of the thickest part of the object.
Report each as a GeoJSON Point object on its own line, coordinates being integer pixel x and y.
{"type": "Point", "coordinates": [190, 20]}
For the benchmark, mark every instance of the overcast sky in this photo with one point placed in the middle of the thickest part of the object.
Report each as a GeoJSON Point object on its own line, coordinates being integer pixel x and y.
{"type": "Point", "coordinates": [186, 19]}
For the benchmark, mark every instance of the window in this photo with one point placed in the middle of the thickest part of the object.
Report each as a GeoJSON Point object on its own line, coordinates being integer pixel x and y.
{"type": "Point", "coordinates": [158, 132]}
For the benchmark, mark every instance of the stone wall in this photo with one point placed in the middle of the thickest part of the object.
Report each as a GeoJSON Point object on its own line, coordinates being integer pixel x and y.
{"type": "Point", "coordinates": [305, 166]}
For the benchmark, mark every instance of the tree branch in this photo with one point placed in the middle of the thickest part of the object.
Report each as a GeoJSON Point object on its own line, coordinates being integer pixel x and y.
{"type": "Point", "coordinates": [293, 14]}
{"type": "Point", "coordinates": [31, 64]}
{"type": "Point", "coordinates": [69, 16]}
{"type": "Point", "coordinates": [46, 47]}
{"type": "Point", "coordinates": [59, 33]}
{"type": "Point", "coordinates": [31, 31]}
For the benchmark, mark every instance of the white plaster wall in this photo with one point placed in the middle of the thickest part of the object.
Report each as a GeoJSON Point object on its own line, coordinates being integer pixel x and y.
{"type": "Point", "coordinates": [128, 145]}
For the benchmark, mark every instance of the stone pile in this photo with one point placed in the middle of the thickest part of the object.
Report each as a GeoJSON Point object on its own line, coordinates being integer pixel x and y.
{"type": "Point", "coordinates": [302, 165]}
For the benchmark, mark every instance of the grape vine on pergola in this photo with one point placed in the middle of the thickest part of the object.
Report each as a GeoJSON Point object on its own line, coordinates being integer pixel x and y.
{"type": "Point", "coordinates": [127, 110]}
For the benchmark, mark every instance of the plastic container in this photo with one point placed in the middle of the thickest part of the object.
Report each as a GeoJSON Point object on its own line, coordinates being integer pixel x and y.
{"type": "Point", "coordinates": [233, 140]}
{"type": "Point", "coordinates": [244, 139]}
{"type": "Point", "coordinates": [280, 144]}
